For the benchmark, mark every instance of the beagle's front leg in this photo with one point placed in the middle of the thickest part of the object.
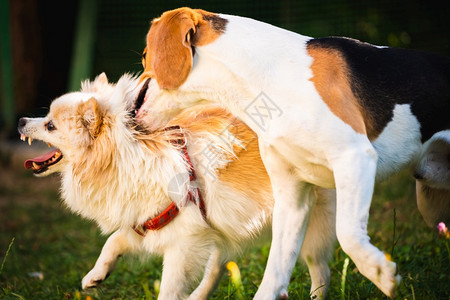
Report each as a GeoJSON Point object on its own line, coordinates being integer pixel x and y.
{"type": "Point", "coordinates": [293, 203]}
{"type": "Point", "coordinates": [116, 245]}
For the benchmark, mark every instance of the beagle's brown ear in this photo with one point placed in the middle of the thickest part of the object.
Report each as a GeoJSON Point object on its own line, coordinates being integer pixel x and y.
{"type": "Point", "coordinates": [170, 41]}
{"type": "Point", "coordinates": [169, 49]}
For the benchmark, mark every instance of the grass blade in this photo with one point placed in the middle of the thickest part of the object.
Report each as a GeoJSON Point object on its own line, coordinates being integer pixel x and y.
{"type": "Point", "coordinates": [6, 255]}
{"type": "Point", "coordinates": [344, 276]}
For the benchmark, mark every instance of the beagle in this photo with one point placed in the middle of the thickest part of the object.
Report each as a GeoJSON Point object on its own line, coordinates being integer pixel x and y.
{"type": "Point", "coordinates": [332, 112]}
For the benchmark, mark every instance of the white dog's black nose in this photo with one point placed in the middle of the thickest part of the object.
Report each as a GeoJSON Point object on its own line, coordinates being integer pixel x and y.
{"type": "Point", "coordinates": [22, 122]}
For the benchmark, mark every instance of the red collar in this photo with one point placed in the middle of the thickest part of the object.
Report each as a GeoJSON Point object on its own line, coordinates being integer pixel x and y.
{"type": "Point", "coordinates": [194, 196]}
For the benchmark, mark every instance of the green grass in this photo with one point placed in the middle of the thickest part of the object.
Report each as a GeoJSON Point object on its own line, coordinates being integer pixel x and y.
{"type": "Point", "coordinates": [38, 234]}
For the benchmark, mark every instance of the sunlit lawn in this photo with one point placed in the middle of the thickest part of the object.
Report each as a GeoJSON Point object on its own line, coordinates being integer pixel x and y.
{"type": "Point", "coordinates": [43, 237]}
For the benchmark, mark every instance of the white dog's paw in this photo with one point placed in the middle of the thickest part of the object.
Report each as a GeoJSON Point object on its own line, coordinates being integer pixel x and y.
{"type": "Point", "coordinates": [94, 278]}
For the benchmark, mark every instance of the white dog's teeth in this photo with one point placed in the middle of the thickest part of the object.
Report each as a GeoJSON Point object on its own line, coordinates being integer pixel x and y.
{"type": "Point", "coordinates": [35, 166]}
{"type": "Point", "coordinates": [57, 154]}
{"type": "Point", "coordinates": [30, 140]}
{"type": "Point", "coordinates": [23, 137]}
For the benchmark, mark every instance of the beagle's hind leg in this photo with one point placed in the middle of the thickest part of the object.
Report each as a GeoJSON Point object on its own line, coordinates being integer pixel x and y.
{"type": "Point", "coordinates": [354, 190]}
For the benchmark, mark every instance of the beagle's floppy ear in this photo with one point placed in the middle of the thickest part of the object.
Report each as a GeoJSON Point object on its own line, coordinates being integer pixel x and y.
{"type": "Point", "coordinates": [90, 117]}
{"type": "Point", "coordinates": [170, 41]}
{"type": "Point", "coordinates": [169, 44]}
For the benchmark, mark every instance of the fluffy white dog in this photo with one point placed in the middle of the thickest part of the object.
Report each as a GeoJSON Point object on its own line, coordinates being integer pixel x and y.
{"type": "Point", "coordinates": [143, 185]}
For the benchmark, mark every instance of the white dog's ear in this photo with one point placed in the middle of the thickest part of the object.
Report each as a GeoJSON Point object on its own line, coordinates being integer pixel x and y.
{"type": "Point", "coordinates": [90, 117]}
{"type": "Point", "coordinates": [99, 82]}
{"type": "Point", "coordinates": [95, 86]}
{"type": "Point", "coordinates": [101, 79]}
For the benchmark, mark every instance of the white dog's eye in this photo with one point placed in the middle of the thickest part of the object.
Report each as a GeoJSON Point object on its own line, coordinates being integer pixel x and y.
{"type": "Point", "coordinates": [50, 126]}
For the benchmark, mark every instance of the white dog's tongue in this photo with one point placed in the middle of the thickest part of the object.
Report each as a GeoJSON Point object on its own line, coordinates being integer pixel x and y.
{"type": "Point", "coordinates": [40, 159]}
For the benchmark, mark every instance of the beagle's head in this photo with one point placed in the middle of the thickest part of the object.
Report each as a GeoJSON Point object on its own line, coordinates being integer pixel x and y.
{"type": "Point", "coordinates": [171, 43]}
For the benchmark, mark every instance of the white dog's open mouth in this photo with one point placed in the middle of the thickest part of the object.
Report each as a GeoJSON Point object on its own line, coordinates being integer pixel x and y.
{"type": "Point", "coordinates": [43, 162]}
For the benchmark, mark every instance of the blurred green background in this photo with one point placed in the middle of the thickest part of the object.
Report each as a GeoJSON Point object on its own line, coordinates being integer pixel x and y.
{"type": "Point", "coordinates": [49, 46]}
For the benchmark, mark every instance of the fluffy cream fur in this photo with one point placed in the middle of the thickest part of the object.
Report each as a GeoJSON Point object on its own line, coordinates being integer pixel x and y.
{"type": "Point", "coordinates": [119, 174]}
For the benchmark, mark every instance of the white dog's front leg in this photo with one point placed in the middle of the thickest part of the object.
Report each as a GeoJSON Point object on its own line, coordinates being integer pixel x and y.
{"type": "Point", "coordinates": [354, 173]}
{"type": "Point", "coordinates": [116, 245]}
{"type": "Point", "coordinates": [293, 202]}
